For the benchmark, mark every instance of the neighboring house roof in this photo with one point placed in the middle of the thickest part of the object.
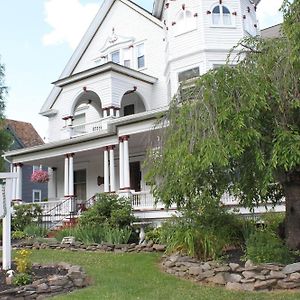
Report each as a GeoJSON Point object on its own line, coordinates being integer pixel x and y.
{"type": "Point", "coordinates": [24, 132]}
{"type": "Point", "coordinates": [271, 32]}
{"type": "Point", "coordinates": [85, 42]}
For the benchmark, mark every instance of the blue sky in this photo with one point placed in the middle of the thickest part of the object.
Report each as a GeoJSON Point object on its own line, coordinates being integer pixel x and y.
{"type": "Point", "coordinates": [37, 37]}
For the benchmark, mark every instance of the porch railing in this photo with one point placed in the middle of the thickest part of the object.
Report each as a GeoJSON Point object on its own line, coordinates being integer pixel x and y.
{"type": "Point", "coordinates": [87, 127]}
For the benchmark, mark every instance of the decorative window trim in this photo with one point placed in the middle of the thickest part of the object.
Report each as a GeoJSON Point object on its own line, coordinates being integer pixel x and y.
{"type": "Point", "coordinates": [221, 24]}
{"type": "Point", "coordinates": [185, 20]}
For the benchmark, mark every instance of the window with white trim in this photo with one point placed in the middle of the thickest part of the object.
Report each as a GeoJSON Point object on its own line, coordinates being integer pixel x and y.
{"type": "Point", "coordinates": [127, 57]}
{"type": "Point", "coordinates": [140, 49]}
{"type": "Point", "coordinates": [37, 168]}
{"type": "Point", "coordinates": [221, 15]}
{"type": "Point", "coordinates": [188, 74]}
{"type": "Point", "coordinates": [185, 22]}
{"type": "Point", "coordinates": [115, 57]}
{"type": "Point", "coordinates": [36, 195]}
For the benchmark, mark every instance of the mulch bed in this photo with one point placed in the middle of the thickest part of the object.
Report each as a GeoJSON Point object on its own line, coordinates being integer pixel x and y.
{"type": "Point", "coordinates": [38, 272]}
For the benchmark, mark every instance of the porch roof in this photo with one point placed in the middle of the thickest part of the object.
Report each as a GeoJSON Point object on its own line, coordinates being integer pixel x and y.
{"type": "Point", "coordinates": [108, 67]}
{"type": "Point", "coordinates": [132, 124]}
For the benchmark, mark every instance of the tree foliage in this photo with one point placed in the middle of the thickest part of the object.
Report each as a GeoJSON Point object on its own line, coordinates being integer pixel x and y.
{"type": "Point", "coordinates": [238, 130]}
{"type": "Point", "coordinates": [4, 137]}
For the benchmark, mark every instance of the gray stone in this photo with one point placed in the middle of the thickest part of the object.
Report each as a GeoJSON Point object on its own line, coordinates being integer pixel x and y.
{"type": "Point", "coordinates": [234, 286]}
{"type": "Point", "coordinates": [234, 267]}
{"type": "Point", "coordinates": [218, 279]}
{"type": "Point", "coordinates": [295, 276]}
{"type": "Point", "coordinates": [206, 266]}
{"type": "Point", "coordinates": [287, 284]}
{"type": "Point", "coordinates": [42, 288]}
{"type": "Point", "coordinates": [259, 285]}
{"type": "Point", "coordinates": [260, 277]}
{"type": "Point", "coordinates": [169, 264]}
{"type": "Point", "coordinates": [249, 264]}
{"type": "Point", "coordinates": [265, 272]}
{"type": "Point", "coordinates": [271, 267]}
{"type": "Point", "coordinates": [233, 277]}
{"type": "Point", "coordinates": [222, 269]}
{"type": "Point", "coordinates": [195, 270]}
{"type": "Point", "coordinates": [56, 280]}
{"type": "Point", "coordinates": [292, 268]}
{"type": "Point", "coordinates": [276, 275]}
{"type": "Point", "coordinates": [249, 274]}
{"type": "Point", "coordinates": [250, 280]}
{"type": "Point", "coordinates": [159, 248]}
{"type": "Point", "coordinates": [205, 275]}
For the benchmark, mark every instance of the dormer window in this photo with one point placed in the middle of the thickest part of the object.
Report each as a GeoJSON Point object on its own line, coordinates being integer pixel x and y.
{"type": "Point", "coordinates": [221, 15]}
{"type": "Point", "coordinates": [115, 57]}
{"type": "Point", "coordinates": [185, 22]}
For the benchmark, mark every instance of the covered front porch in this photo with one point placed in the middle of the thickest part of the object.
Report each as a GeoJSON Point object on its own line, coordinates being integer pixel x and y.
{"type": "Point", "coordinates": [106, 161]}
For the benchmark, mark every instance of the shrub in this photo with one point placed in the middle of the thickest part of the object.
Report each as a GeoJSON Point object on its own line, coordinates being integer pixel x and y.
{"type": "Point", "coordinates": [18, 235]}
{"type": "Point", "coordinates": [25, 215]}
{"type": "Point", "coordinates": [91, 234]}
{"type": "Point", "coordinates": [108, 210]}
{"type": "Point", "coordinates": [264, 246]}
{"type": "Point", "coordinates": [272, 221]}
{"type": "Point", "coordinates": [22, 279]}
{"type": "Point", "coordinates": [35, 231]}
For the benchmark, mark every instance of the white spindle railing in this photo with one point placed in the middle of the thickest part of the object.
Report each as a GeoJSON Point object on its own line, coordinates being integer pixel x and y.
{"type": "Point", "coordinates": [87, 127]}
{"type": "Point", "coordinates": [142, 200]}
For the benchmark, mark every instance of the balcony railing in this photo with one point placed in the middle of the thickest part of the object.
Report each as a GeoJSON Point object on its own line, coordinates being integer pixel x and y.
{"type": "Point", "coordinates": [88, 127]}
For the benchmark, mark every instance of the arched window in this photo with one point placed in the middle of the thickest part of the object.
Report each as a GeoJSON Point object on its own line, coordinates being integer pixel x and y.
{"type": "Point", "coordinates": [185, 22]}
{"type": "Point", "coordinates": [221, 15]}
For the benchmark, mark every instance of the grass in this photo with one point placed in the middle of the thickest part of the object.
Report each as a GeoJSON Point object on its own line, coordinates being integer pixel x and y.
{"type": "Point", "coordinates": [137, 276]}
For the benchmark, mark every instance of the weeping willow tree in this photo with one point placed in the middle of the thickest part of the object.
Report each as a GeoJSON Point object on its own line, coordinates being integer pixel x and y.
{"type": "Point", "coordinates": [4, 138]}
{"type": "Point", "coordinates": [238, 130]}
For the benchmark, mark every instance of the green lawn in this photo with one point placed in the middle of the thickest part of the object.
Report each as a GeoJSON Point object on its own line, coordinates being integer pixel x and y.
{"type": "Point", "coordinates": [137, 276]}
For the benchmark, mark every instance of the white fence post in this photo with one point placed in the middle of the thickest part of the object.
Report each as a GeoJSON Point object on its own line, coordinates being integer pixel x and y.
{"type": "Point", "coordinates": [5, 198]}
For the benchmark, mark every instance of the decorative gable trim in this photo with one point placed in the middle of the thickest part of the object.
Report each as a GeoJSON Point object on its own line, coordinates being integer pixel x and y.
{"type": "Point", "coordinates": [86, 40]}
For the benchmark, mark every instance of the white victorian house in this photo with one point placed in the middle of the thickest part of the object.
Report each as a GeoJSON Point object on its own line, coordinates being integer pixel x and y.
{"type": "Point", "coordinates": [102, 110]}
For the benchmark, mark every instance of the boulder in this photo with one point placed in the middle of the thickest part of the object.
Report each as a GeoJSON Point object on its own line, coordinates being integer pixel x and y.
{"type": "Point", "coordinates": [288, 284]}
{"type": "Point", "coordinates": [195, 270]}
{"type": "Point", "coordinates": [292, 268]}
{"type": "Point", "coordinates": [249, 274]}
{"type": "Point", "coordinates": [295, 276]}
{"type": "Point", "coordinates": [234, 266]}
{"type": "Point", "coordinates": [218, 279]}
{"type": "Point", "coordinates": [265, 284]}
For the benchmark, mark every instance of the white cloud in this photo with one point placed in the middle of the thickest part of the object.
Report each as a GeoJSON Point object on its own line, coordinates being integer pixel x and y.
{"type": "Point", "coordinates": [268, 13]}
{"type": "Point", "coordinates": [69, 20]}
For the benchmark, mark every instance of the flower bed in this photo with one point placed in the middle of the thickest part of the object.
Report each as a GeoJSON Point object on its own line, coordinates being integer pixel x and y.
{"type": "Point", "coordinates": [49, 280]}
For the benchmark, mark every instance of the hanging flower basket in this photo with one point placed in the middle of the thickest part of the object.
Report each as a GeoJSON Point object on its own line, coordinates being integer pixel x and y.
{"type": "Point", "coordinates": [40, 176]}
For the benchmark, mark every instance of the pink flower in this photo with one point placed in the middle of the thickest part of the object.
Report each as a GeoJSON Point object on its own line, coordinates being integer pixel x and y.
{"type": "Point", "coordinates": [40, 176]}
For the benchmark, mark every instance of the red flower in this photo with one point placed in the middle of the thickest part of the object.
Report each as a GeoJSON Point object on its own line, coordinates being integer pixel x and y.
{"type": "Point", "coordinates": [40, 176]}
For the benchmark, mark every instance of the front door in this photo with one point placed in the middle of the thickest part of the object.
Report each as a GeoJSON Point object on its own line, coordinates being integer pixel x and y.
{"type": "Point", "coordinates": [135, 176]}
{"type": "Point", "coordinates": [80, 184]}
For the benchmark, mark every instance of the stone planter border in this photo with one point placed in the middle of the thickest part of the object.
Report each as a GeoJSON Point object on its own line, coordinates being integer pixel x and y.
{"type": "Point", "coordinates": [49, 286]}
{"type": "Point", "coordinates": [233, 276]}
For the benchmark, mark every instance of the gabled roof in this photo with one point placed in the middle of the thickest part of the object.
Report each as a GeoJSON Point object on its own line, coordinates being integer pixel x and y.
{"type": "Point", "coordinates": [271, 32]}
{"type": "Point", "coordinates": [24, 133]}
{"type": "Point", "coordinates": [86, 40]}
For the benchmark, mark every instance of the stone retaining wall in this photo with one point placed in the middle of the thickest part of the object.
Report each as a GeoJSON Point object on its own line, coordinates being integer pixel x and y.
{"type": "Point", "coordinates": [104, 247]}
{"type": "Point", "coordinates": [233, 276]}
{"type": "Point", "coordinates": [49, 286]}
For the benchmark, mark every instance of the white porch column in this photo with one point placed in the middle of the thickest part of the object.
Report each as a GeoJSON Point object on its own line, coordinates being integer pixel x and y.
{"type": "Point", "coordinates": [52, 184]}
{"type": "Point", "coordinates": [117, 112]}
{"type": "Point", "coordinates": [71, 175]}
{"type": "Point", "coordinates": [111, 112]}
{"type": "Point", "coordinates": [106, 171]}
{"type": "Point", "coordinates": [112, 169]}
{"type": "Point", "coordinates": [121, 163]}
{"type": "Point", "coordinates": [19, 182]}
{"type": "Point", "coordinates": [14, 183]}
{"type": "Point", "coordinates": [66, 176]}
{"type": "Point", "coordinates": [126, 177]}
{"type": "Point", "coordinates": [104, 113]}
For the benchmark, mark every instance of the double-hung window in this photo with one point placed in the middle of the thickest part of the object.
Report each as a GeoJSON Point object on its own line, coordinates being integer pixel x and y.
{"type": "Point", "coordinates": [140, 56]}
{"type": "Point", "coordinates": [36, 195]}
{"type": "Point", "coordinates": [115, 57]}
